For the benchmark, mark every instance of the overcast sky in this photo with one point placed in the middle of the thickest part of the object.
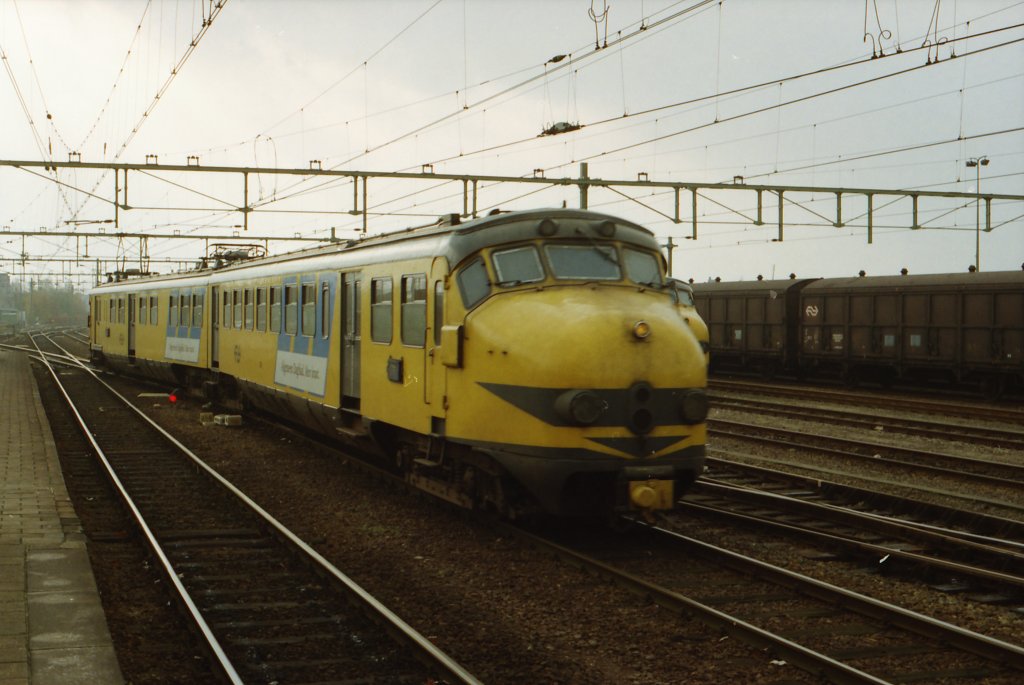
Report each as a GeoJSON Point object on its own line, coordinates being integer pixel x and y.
{"type": "Point", "coordinates": [468, 86]}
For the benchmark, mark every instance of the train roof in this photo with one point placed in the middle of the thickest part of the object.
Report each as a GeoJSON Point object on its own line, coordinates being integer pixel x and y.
{"type": "Point", "coordinates": [996, 279]}
{"type": "Point", "coordinates": [777, 285]}
{"type": "Point", "coordinates": [454, 242]}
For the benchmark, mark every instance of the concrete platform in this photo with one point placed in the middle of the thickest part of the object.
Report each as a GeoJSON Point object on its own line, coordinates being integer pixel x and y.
{"type": "Point", "coordinates": [52, 627]}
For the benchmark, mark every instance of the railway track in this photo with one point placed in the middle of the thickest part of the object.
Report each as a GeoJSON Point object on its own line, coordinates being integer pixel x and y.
{"type": "Point", "coordinates": [1013, 415]}
{"type": "Point", "coordinates": [268, 607]}
{"type": "Point", "coordinates": [1009, 476]}
{"type": "Point", "coordinates": [838, 635]}
{"type": "Point", "coordinates": [983, 567]}
{"type": "Point", "coordinates": [1007, 438]}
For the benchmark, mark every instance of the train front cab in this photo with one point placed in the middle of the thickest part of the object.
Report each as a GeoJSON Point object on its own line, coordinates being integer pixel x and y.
{"type": "Point", "coordinates": [575, 371]}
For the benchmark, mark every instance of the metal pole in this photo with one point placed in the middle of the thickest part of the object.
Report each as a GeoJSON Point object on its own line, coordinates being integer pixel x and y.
{"type": "Point", "coordinates": [977, 163]}
{"type": "Point", "coordinates": [977, 220]}
{"type": "Point", "coordinates": [584, 188]}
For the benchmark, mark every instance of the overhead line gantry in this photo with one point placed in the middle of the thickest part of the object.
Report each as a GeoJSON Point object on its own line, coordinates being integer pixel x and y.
{"type": "Point", "coordinates": [584, 181]}
{"type": "Point", "coordinates": [686, 195]}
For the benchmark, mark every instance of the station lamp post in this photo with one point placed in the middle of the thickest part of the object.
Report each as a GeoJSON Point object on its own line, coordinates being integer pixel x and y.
{"type": "Point", "coordinates": [977, 163]}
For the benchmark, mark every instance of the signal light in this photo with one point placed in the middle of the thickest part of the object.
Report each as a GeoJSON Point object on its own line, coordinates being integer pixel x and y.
{"type": "Point", "coordinates": [172, 396]}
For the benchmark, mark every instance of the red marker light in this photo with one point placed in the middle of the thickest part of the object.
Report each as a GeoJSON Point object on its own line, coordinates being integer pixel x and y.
{"type": "Point", "coordinates": [172, 397]}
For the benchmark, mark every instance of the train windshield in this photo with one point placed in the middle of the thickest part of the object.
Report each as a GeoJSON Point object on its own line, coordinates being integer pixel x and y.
{"type": "Point", "coordinates": [518, 265]}
{"type": "Point", "coordinates": [584, 262]}
{"type": "Point", "coordinates": [642, 267]}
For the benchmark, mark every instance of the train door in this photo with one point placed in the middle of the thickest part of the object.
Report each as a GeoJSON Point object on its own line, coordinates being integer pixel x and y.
{"type": "Point", "coordinates": [94, 319]}
{"type": "Point", "coordinates": [214, 326]}
{"type": "Point", "coordinates": [131, 325]}
{"type": "Point", "coordinates": [434, 369]}
{"type": "Point", "coordinates": [351, 312]}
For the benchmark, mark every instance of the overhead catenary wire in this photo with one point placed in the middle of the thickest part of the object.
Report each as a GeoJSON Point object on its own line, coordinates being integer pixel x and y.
{"type": "Point", "coordinates": [117, 78]}
{"type": "Point", "coordinates": [721, 121]}
{"type": "Point", "coordinates": [539, 76]}
{"type": "Point", "coordinates": [631, 158]}
{"type": "Point", "coordinates": [207, 23]}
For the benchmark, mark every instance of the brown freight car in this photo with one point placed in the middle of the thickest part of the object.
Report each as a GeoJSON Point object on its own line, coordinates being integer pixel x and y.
{"type": "Point", "coordinates": [967, 329]}
{"type": "Point", "coordinates": [752, 325]}
{"type": "Point", "coordinates": [962, 329]}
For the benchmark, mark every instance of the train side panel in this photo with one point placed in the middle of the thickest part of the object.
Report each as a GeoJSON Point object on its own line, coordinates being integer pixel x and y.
{"type": "Point", "coordinates": [751, 324]}
{"type": "Point", "coordinates": [963, 328]}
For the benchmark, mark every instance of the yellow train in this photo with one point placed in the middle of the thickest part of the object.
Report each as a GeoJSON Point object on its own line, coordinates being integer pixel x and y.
{"type": "Point", "coordinates": [524, 361]}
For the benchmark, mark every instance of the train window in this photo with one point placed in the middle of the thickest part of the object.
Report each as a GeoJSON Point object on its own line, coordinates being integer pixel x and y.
{"type": "Point", "coordinates": [172, 310]}
{"type": "Point", "coordinates": [682, 293]}
{"type": "Point", "coordinates": [309, 309]}
{"type": "Point", "coordinates": [380, 310]}
{"type": "Point", "coordinates": [197, 308]}
{"type": "Point", "coordinates": [247, 294]}
{"type": "Point", "coordinates": [291, 309]}
{"type": "Point", "coordinates": [153, 309]}
{"type": "Point", "coordinates": [120, 310]}
{"type": "Point", "coordinates": [414, 310]}
{"type": "Point", "coordinates": [642, 267]}
{"type": "Point", "coordinates": [325, 309]}
{"type": "Point", "coordinates": [184, 310]}
{"type": "Point", "coordinates": [438, 310]}
{"type": "Point", "coordinates": [236, 306]}
{"type": "Point", "coordinates": [110, 311]}
{"type": "Point", "coordinates": [142, 310]}
{"type": "Point", "coordinates": [474, 284]}
{"type": "Point", "coordinates": [518, 265]}
{"type": "Point", "coordinates": [261, 309]}
{"type": "Point", "coordinates": [275, 309]}
{"type": "Point", "coordinates": [225, 317]}
{"type": "Point", "coordinates": [589, 262]}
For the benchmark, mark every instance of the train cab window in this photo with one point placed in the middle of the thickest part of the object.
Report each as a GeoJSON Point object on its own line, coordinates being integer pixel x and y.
{"type": "Point", "coordinates": [682, 293]}
{"type": "Point", "coordinates": [438, 311]}
{"type": "Point", "coordinates": [184, 310]}
{"type": "Point", "coordinates": [518, 265]}
{"type": "Point", "coordinates": [414, 310]}
{"type": "Point", "coordinates": [172, 310]}
{"type": "Point", "coordinates": [236, 305]}
{"type": "Point", "coordinates": [291, 309]}
{"type": "Point", "coordinates": [261, 309]}
{"type": "Point", "coordinates": [275, 309]}
{"type": "Point", "coordinates": [308, 309]}
{"type": "Point", "coordinates": [380, 310]}
{"type": "Point", "coordinates": [142, 310]}
{"type": "Point", "coordinates": [153, 309]}
{"type": "Point", "coordinates": [197, 308]}
{"type": "Point", "coordinates": [325, 309]}
{"type": "Point", "coordinates": [225, 316]}
{"type": "Point", "coordinates": [642, 267]}
{"type": "Point", "coordinates": [120, 310]}
{"type": "Point", "coordinates": [474, 284]}
{"type": "Point", "coordinates": [584, 262]}
{"type": "Point", "coordinates": [247, 294]}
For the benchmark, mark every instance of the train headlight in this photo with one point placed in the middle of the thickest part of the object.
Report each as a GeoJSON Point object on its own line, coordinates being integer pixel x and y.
{"type": "Point", "coordinates": [580, 407]}
{"type": "Point", "coordinates": [641, 329]}
{"type": "Point", "coordinates": [693, 406]}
